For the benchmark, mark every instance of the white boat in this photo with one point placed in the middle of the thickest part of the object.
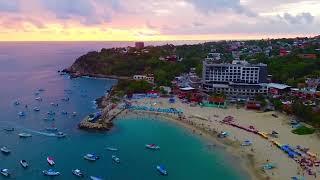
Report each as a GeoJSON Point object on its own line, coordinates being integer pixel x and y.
{"type": "Point", "coordinates": [77, 172]}
{"type": "Point", "coordinates": [61, 135]}
{"type": "Point", "coordinates": [50, 161]}
{"type": "Point", "coordinates": [5, 172]}
{"type": "Point", "coordinates": [21, 113]}
{"type": "Point", "coordinates": [16, 103]}
{"type": "Point", "coordinates": [5, 150]}
{"type": "Point", "coordinates": [54, 104]}
{"type": "Point", "coordinates": [24, 135]}
{"type": "Point", "coordinates": [74, 113]}
{"type": "Point", "coordinates": [36, 109]}
{"type": "Point", "coordinates": [152, 146]}
{"type": "Point", "coordinates": [112, 149]}
{"type": "Point", "coordinates": [162, 170]}
{"type": "Point", "coordinates": [51, 172]}
{"type": "Point", "coordinates": [91, 157]}
{"type": "Point", "coordinates": [115, 159]}
{"type": "Point", "coordinates": [24, 163]}
{"type": "Point", "coordinates": [95, 178]}
{"type": "Point", "coordinates": [38, 98]}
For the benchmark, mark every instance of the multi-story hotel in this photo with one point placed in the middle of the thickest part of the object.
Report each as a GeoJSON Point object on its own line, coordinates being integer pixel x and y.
{"type": "Point", "coordinates": [238, 79]}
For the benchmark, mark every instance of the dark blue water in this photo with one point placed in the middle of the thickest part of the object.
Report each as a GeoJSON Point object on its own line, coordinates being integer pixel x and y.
{"type": "Point", "coordinates": [25, 67]}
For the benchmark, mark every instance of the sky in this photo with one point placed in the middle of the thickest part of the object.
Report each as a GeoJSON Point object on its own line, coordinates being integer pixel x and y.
{"type": "Point", "coordinates": [155, 20]}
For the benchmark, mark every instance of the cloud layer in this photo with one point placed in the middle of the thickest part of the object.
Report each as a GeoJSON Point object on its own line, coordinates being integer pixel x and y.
{"type": "Point", "coordinates": [156, 20]}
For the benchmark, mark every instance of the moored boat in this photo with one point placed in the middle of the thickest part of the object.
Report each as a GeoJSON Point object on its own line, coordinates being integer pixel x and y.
{"type": "Point", "coordinates": [162, 170]}
{"type": "Point", "coordinates": [36, 109]}
{"type": "Point", "coordinates": [9, 129]}
{"type": "Point", "coordinates": [95, 178]}
{"type": "Point", "coordinates": [24, 163]}
{"type": "Point", "coordinates": [112, 149]}
{"type": "Point", "coordinates": [77, 172]}
{"type": "Point", "coordinates": [24, 135]}
{"type": "Point", "coordinates": [91, 157]}
{"type": "Point", "coordinates": [115, 159]}
{"type": "Point", "coordinates": [50, 172]}
{"type": "Point", "coordinates": [16, 103]}
{"type": "Point", "coordinates": [51, 129]}
{"type": "Point", "coordinates": [21, 113]}
{"type": "Point", "coordinates": [152, 146]}
{"type": "Point", "coordinates": [50, 161]}
{"type": "Point", "coordinates": [5, 172]}
{"type": "Point", "coordinates": [5, 150]}
{"type": "Point", "coordinates": [61, 135]}
{"type": "Point", "coordinates": [38, 98]}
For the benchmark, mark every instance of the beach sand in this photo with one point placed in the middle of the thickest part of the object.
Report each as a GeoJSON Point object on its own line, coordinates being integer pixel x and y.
{"type": "Point", "coordinates": [205, 121]}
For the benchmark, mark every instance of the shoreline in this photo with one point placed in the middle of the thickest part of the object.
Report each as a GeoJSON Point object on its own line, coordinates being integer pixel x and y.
{"type": "Point", "coordinates": [232, 148]}
{"type": "Point", "coordinates": [206, 122]}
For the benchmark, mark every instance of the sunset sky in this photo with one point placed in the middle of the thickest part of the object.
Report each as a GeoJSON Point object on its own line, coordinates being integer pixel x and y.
{"type": "Point", "coordinates": [130, 20]}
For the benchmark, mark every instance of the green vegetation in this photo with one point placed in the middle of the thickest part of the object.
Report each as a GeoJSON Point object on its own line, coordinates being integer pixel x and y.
{"type": "Point", "coordinates": [303, 130]}
{"type": "Point", "coordinates": [130, 86]}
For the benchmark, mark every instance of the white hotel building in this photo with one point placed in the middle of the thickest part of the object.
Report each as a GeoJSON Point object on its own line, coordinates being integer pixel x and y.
{"type": "Point", "coordinates": [238, 79]}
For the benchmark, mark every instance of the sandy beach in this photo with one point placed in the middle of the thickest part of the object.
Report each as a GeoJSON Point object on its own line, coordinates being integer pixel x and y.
{"type": "Point", "coordinates": [205, 121]}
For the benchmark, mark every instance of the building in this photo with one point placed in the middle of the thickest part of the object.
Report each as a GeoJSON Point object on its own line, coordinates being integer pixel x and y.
{"type": "Point", "coordinates": [307, 56]}
{"type": "Point", "coordinates": [139, 45]}
{"type": "Point", "coordinates": [238, 79]}
{"type": "Point", "coordinates": [148, 78]}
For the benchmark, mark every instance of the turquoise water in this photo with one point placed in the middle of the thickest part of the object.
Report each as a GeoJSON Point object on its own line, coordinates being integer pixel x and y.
{"type": "Point", "coordinates": [25, 67]}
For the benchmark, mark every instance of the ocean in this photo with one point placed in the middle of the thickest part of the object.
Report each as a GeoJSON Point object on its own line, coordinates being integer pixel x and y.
{"type": "Point", "coordinates": [27, 67]}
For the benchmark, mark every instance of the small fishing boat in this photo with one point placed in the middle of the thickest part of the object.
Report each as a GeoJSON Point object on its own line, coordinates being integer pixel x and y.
{"type": "Point", "coordinates": [65, 99]}
{"type": "Point", "coordinates": [41, 90]}
{"type": "Point", "coordinates": [50, 161]}
{"type": "Point", "coordinates": [51, 113]}
{"type": "Point", "coordinates": [74, 113]}
{"type": "Point", "coordinates": [51, 129]}
{"type": "Point", "coordinates": [5, 150]}
{"type": "Point", "coordinates": [246, 143]}
{"type": "Point", "coordinates": [91, 157]}
{"type": "Point", "coordinates": [54, 104]}
{"type": "Point", "coordinates": [64, 112]}
{"type": "Point", "coordinates": [38, 98]}
{"type": "Point", "coordinates": [24, 163]}
{"type": "Point", "coordinates": [61, 135]}
{"type": "Point", "coordinates": [24, 135]}
{"type": "Point", "coordinates": [115, 159]}
{"type": "Point", "coordinates": [51, 172]}
{"type": "Point", "coordinates": [16, 103]}
{"type": "Point", "coordinates": [77, 172]}
{"type": "Point", "coordinates": [49, 119]}
{"type": "Point", "coordinates": [9, 129]}
{"type": "Point", "coordinates": [95, 178]}
{"type": "Point", "coordinates": [223, 134]}
{"type": "Point", "coordinates": [152, 146]}
{"type": "Point", "coordinates": [21, 113]}
{"type": "Point", "coordinates": [162, 170]}
{"type": "Point", "coordinates": [5, 172]}
{"type": "Point", "coordinates": [112, 149]}
{"type": "Point", "coordinates": [36, 109]}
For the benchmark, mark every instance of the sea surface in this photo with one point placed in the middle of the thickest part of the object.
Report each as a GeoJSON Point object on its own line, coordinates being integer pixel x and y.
{"type": "Point", "coordinates": [27, 67]}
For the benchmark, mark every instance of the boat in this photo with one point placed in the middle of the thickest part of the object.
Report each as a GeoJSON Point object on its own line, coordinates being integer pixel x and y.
{"type": "Point", "coordinates": [162, 170]}
{"type": "Point", "coordinates": [51, 129]}
{"type": "Point", "coordinates": [9, 129]}
{"type": "Point", "coordinates": [5, 172]}
{"type": "Point", "coordinates": [16, 103]}
{"type": "Point", "coordinates": [115, 159]}
{"type": "Point", "coordinates": [91, 157]}
{"type": "Point", "coordinates": [246, 143]}
{"type": "Point", "coordinates": [61, 135]}
{"type": "Point", "coordinates": [24, 163]}
{"type": "Point", "coordinates": [65, 99]}
{"type": "Point", "coordinates": [38, 98]}
{"type": "Point", "coordinates": [112, 149]}
{"type": "Point", "coordinates": [77, 172]}
{"type": "Point", "coordinates": [48, 119]}
{"type": "Point", "coordinates": [5, 150]}
{"type": "Point", "coordinates": [41, 90]}
{"type": "Point", "coordinates": [36, 109]}
{"type": "Point", "coordinates": [50, 161]}
{"type": "Point", "coordinates": [152, 146]}
{"type": "Point", "coordinates": [51, 113]}
{"type": "Point", "coordinates": [74, 113]}
{"type": "Point", "coordinates": [21, 113]}
{"type": "Point", "coordinates": [223, 134]}
{"type": "Point", "coordinates": [95, 178]}
{"type": "Point", "coordinates": [24, 135]}
{"type": "Point", "coordinates": [51, 172]}
{"type": "Point", "coordinates": [64, 112]}
{"type": "Point", "coordinates": [54, 104]}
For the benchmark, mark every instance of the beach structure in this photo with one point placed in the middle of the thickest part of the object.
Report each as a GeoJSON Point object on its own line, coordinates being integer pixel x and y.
{"type": "Point", "coordinates": [239, 78]}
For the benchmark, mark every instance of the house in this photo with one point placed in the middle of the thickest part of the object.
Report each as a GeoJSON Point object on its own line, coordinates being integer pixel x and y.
{"type": "Point", "coordinates": [148, 78]}
{"type": "Point", "coordinates": [278, 89]}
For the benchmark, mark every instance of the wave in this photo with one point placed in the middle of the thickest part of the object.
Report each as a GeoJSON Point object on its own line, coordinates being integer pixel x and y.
{"type": "Point", "coordinates": [26, 129]}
